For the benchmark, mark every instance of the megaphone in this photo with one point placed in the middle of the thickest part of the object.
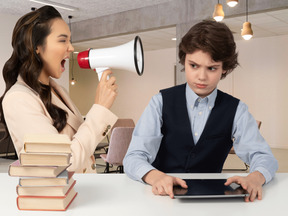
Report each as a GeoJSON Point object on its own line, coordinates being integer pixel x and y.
{"type": "Point", "coordinates": [127, 57]}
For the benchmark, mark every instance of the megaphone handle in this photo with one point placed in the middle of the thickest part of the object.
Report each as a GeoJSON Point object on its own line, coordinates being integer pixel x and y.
{"type": "Point", "coordinates": [100, 71]}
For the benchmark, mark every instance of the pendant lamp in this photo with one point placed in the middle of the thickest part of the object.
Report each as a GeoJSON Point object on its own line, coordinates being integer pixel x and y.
{"type": "Point", "coordinates": [247, 32]}
{"type": "Point", "coordinates": [218, 14]}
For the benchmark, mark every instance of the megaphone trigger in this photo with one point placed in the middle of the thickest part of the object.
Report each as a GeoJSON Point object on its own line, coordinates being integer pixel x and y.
{"type": "Point", "coordinates": [100, 71]}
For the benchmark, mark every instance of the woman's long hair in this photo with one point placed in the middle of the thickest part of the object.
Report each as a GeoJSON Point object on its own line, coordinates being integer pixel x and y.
{"type": "Point", "coordinates": [31, 31]}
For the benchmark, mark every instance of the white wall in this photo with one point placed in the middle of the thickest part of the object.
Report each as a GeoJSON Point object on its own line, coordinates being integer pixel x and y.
{"type": "Point", "coordinates": [7, 23]}
{"type": "Point", "coordinates": [136, 91]}
{"type": "Point", "coordinates": [262, 83]}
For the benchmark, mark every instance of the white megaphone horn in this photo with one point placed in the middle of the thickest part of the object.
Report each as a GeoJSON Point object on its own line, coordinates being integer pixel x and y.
{"type": "Point", "coordinates": [128, 57]}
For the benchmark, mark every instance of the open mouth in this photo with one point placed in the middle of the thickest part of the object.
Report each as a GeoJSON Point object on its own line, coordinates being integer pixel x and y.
{"type": "Point", "coordinates": [63, 64]}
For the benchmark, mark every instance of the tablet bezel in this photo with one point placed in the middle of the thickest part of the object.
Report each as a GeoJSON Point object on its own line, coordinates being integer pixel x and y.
{"type": "Point", "coordinates": [209, 188]}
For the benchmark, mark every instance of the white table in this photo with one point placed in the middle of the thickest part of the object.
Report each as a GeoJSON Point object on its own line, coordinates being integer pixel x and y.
{"type": "Point", "coordinates": [116, 194]}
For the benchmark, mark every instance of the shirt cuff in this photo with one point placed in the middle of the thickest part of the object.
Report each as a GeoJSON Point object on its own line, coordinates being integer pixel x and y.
{"type": "Point", "coordinates": [142, 171]}
{"type": "Point", "coordinates": [265, 173]}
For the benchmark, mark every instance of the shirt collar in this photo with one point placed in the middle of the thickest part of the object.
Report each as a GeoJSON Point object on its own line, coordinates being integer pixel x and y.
{"type": "Point", "coordinates": [192, 97]}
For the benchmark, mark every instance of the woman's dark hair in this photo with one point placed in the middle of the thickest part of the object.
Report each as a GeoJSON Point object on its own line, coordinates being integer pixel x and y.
{"type": "Point", "coordinates": [214, 38]}
{"type": "Point", "coordinates": [31, 31]}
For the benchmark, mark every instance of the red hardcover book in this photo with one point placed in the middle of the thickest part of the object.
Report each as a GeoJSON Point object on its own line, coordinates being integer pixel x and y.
{"type": "Point", "coordinates": [47, 203]}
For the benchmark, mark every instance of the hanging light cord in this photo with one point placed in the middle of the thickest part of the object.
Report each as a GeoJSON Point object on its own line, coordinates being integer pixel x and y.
{"type": "Point", "coordinates": [246, 10]}
{"type": "Point", "coordinates": [72, 60]}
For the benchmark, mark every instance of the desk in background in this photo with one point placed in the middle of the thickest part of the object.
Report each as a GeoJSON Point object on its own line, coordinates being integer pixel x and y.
{"type": "Point", "coordinates": [116, 194]}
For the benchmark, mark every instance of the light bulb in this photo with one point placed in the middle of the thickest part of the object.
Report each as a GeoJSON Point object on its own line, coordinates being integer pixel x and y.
{"type": "Point", "coordinates": [247, 37]}
{"type": "Point", "coordinates": [73, 81]}
{"type": "Point", "coordinates": [232, 3]}
{"type": "Point", "coordinates": [218, 18]}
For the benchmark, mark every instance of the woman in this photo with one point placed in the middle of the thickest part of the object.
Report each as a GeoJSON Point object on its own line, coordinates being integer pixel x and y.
{"type": "Point", "coordinates": [34, 103]}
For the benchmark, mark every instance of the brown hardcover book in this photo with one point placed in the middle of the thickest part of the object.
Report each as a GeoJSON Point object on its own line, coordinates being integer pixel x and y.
{"type": "Point", "coordinates": [49, 143]}
{"type": "Point", "coordinates": [44, 190]}
{"type": "Point", "coordinates": [16, 169]}
{"type": "Point", "coordinates": [61, 180]}
{"type": "Point", "coordinates": [44, 159]}
{"type": "Point", "coordinates": [47, 203]}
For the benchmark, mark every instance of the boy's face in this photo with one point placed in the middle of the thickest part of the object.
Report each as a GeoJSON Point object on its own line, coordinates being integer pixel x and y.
{"type": "Point", "coordinates": [202, 73]}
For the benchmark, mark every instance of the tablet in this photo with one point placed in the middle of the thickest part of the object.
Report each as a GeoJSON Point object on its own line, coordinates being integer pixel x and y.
{"type": "Point", "coordinates": [209, 188]}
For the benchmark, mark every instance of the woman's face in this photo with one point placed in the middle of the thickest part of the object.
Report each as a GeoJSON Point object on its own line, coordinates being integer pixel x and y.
{"type": "Point", "coordinates": [55, 51]}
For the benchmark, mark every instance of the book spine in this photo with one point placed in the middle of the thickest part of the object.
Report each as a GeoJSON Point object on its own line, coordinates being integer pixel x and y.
{"type": "Point", "coordinates": [60, 197]}
{"type": "Point", "coordinates": [17, 200]}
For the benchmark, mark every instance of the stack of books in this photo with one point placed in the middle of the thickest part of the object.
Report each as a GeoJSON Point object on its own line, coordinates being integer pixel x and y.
{"type": "Point", "coordinates": [44, 182]}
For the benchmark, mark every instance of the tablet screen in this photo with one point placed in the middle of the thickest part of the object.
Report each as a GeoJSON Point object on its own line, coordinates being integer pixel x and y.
{"type": "Point", "coordinates": [209, 188]}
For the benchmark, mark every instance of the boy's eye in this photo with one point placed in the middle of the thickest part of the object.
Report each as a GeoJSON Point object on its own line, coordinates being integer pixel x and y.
{"type": "Point", "coordinates": [193, 65]}
{"type": "Point", "coordinates": [212, 68]}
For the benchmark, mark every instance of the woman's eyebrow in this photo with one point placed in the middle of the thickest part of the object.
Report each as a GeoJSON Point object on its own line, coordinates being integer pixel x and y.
{"type": "Point", "coordinates": [63, 35]}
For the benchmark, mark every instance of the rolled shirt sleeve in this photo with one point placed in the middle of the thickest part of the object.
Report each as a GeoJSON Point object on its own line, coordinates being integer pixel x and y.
{"type": "Point", "coordinates": [250, 146]}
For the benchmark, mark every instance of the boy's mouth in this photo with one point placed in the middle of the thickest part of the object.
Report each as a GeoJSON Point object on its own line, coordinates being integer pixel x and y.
{"type": "Point", "coordinates": [201, 86]}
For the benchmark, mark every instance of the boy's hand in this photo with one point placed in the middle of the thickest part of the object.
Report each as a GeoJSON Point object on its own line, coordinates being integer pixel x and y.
{"type": "Point", "coordinates": [162, 184]}
{"type": "Point", "coordinates": [251, 183]}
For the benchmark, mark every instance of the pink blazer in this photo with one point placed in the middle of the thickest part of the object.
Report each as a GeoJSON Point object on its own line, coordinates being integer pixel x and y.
{"type": "Point", "coordinates": [25, 113]}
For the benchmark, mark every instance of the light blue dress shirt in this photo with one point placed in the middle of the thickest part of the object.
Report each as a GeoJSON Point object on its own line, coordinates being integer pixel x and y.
{"type": "Point", "coordinates": [248, 143]}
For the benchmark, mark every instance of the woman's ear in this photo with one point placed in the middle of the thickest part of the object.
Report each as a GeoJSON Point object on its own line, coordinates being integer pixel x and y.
{"type": "Point", "coordinates": [37, 50]}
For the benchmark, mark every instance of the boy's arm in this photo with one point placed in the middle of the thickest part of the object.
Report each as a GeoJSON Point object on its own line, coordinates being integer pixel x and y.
{"type": "Point", "coordinates": [250, 146]}
{"type": "Point", "coordinates": [146, 140]}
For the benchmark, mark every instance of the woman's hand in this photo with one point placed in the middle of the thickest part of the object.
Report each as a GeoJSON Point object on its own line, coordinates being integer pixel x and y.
{"type": "Point", "coordinates": [106, 91]}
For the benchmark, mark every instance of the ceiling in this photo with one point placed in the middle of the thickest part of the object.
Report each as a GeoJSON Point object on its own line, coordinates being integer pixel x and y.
{"type": "Point", "coordinates": [267, 24]}
{"type": "Point", "coordinates": [86, 9]}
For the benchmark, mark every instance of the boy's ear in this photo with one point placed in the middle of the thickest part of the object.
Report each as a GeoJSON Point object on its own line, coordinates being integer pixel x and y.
{"type": "Point", "coordinates": [224, 72]}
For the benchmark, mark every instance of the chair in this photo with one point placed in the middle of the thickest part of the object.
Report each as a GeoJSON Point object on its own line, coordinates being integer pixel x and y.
{"type": "Point", "coordinates": [119, 123]}
{"type": "Point", "coordinates": [118, 146]}
{"type": "Point", "coordinates": [232, 151]}
{"type": "Point", "coordinates": [7, 149]}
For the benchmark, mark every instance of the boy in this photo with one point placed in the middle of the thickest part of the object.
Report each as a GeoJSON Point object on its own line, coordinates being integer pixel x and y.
{"type": "Point", "coordinates": [191, 128]}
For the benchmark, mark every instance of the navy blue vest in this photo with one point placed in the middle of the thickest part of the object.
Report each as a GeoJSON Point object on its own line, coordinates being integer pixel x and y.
{"type": "Point", "coordinates": [177, 152]}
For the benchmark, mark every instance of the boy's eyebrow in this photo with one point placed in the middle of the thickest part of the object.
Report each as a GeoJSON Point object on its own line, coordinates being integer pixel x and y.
{"type": "Point", "coordinates": [215, 65]}
{"type": "Point", "coordinates": [190, 61]}
{"type": "Point", "coordinates": [212, 65]}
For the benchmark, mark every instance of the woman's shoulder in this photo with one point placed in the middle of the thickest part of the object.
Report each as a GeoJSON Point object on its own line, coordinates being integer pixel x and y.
{"type": "Point", "coordinates": [20, 90]}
